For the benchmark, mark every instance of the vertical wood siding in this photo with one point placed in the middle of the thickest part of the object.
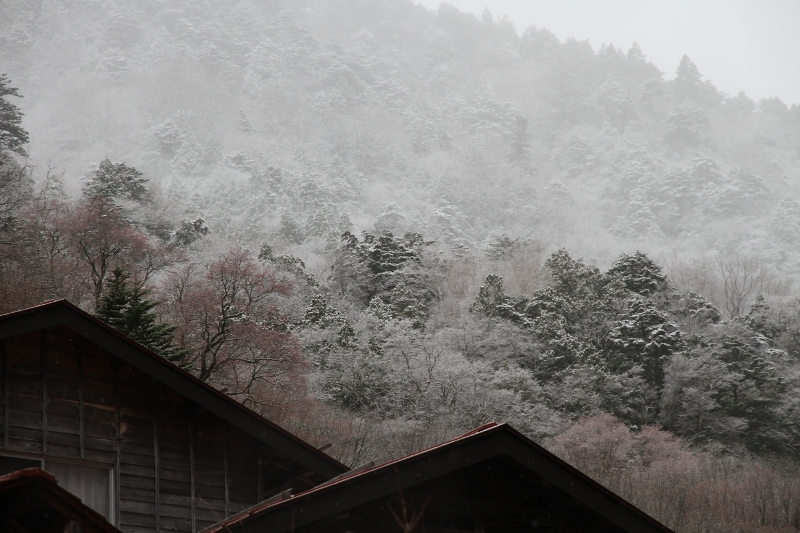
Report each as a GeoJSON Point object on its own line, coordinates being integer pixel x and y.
{"type": "Point", "coordinates": [63, 397]}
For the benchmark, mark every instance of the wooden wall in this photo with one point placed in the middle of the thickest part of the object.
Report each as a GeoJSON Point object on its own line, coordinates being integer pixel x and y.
{"type": "Point", "coordinates": [176, 467]}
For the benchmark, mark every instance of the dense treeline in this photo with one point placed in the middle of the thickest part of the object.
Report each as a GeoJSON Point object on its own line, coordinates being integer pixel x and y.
{"type": "Point", "coordinates": [382, 226]}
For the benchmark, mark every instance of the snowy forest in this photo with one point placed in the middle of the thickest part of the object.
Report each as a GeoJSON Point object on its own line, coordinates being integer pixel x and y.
{"type": "Point", "coordinates": [381, 226]}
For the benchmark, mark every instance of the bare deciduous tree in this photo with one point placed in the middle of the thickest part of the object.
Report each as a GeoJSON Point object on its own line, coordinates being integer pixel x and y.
{"type": "Point", "coordinates": [743, 279]}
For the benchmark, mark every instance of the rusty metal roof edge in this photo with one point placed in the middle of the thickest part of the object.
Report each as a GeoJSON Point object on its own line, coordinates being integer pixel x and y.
{"type": "Point", "coordinates": [48, 482]}
{"type": "Point", "coordinates": [474, 434]}
{"type": "Point", "coordinates": [363, 470]}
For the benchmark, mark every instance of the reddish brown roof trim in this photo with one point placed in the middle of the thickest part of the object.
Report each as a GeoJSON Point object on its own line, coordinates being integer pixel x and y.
{"type": "Point", "coordinates": [509, 442]}
{"type": "Point", "coordinates": [46, 483]}
{"type": "Point", "coordinates": [63, 313]}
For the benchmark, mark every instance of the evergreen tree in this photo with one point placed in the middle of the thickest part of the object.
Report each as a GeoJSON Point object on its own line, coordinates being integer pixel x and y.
{"type": "Point", "coordinates": [117, 181]}
{"type": "Point", "coordinates": [502, 247]}
{"type": "Point", "coordinates": [639, 273]}
{"type": "Point", "coordinates": [12, 136]}
{"type": "Point", "coordinates": [689, 84]}
{"type": "Point", "coordinates": [129, 311]}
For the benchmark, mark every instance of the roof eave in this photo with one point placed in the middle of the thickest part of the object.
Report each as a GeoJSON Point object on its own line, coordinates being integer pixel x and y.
{"type": "Point", "coordinates": [440, 460]}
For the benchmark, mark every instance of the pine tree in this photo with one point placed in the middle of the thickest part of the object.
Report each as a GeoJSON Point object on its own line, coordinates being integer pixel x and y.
{"type": "Point", "coordinates": [117, 181]}
{"type": "Point", "coordinates": [129, 311]}
{"type": "Point", "coordinates": [639, 273]}
{"type": "Point", "coordinates": [12, 136]}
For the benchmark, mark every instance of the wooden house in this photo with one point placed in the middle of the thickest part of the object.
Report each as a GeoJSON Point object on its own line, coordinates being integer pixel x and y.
{"type": "Point", "coordinates": [137, 439]}
{"type": "Point", "coordinates": [490, 480]}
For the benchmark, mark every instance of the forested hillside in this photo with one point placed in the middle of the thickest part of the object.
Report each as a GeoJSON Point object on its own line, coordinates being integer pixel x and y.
{"type": "Point", "coordinates": [382, 226]}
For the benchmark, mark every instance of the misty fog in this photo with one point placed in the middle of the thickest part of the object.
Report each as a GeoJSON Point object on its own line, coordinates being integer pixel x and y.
{"type": "Point", "coordinates": [399, 223]}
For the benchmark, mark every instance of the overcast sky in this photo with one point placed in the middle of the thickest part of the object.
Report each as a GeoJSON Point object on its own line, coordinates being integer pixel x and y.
{"type": "Point", "coordinates": [740, 45]}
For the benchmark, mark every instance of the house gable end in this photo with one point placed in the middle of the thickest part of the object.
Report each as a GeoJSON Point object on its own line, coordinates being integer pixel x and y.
{"type": "Point", "coordinates": [429, 482]}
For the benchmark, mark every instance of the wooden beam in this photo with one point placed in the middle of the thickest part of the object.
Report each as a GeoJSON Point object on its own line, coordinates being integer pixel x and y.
{"type": "Point", "coordinates": [119, 439]}
{"type": "Point", "coordinates": [44, 390]}
{"type": "Point", "coordinates": [191, 474]}
{"type": "Point", "coordinates": [225, 471]}
{"type": "Point", "coordinates": [79, 348]}
{"type": "Point", "coordinates": [260, 465]}
{"type": "Point", "coordinates": [5, 393]}
{"type": "Point", "coordinates": [156, 465]}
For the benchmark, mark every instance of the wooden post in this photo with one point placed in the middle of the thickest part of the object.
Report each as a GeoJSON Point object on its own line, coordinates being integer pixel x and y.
{"type": "Point", "coordinates": [44, 391]}
{"type": "Point", "coordinates": [119, 443]}
{"type": "Point", "coordinates": [5, 393]}
{"type": "Point", "coordinates": [80, 399]}
{"type": "Point", "coordinates": [225, 471]}
{"type": "Point", "coordinates": [260, 480]}
{"type": "Point", "coordinates": [191, 472]}
{"type": "Point", "coordinates": [156, 462]}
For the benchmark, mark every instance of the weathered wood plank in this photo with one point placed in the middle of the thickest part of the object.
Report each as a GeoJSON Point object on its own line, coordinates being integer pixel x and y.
{"type": "Point", "coordinates": [170, 462]}
{"type": "Point", "coordinates": [61, 361]}
{"type": "Point", "coordinates": [30, 420]}
{"type": "Point", "coordinates": [137, 504]}
{"type": "Point", "coordinates": [97, 360]}
{"type": "Point", "coordinates": [144, 460]}
{"type": "Point", "coordinates": [58, 450]}
{"type": "Point", "coordinates": [127, 518]}
{"type": "Point", "coordinates": [179, 525]}
{"type": "Point", "coordinates": [237, 507]}
{"type": "Point", "coordinates": [209, 491]}
{"type": "Point", "coordinates": [69, 424]}
{"type": "Point", "coordinates": [69, 440]}
{"type": "Point", "coordinates": [135, 448]}
{"type": "Point", "coordinates": [24, 365]}
{"type": "Point", "coordinates": [237, 476]}
{"type": "Point", "coordinates": [97, 444]}
{"type": "Point", "coordinates": [98, 376]}
{"type": "Point", "coordinates": [99, 423]}
{"type": "Point", "coordinates": [135, 398]}
{"type": "Point", "coordinates": [139, 496]}
{"type": "Point", "coordinates": [139, 491]}
{"type": "Point", "coordinates": [138, 529]}
{"type": "Point", "coordinates": [98, 393]}
{"type": "Point", "coordinates": [93, 452]}
{"type": "Point", "coordinates": [245, 496]}
{"type": "Point", "coordinates": [63, 389]}
{"type": "Point", "coordinates": [24, 439]}
{"type": "Point", "coordinates": [176, 505]}
{"type": "Point", "coordinates": [136, 470]}
{"type": "Point", "coordinates": [169, 488]}
{"type": "Point", "coordinates": [29, 403]}
{"type": "Point", "coordinates": [135, 432]}
{"type": "Point", "coordinates": [61, 407]}
{"type": "Point", "coordinates": [24, 382]}
{"type": "Point", "coordinates": [210, 512]}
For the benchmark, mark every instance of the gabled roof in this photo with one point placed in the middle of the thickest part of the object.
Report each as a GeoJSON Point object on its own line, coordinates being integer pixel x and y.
{"type": "Point", "coordinates": [31, 500]}
{"type": "Point", "coordinates": [336, 496]}
{"type": "Point", "coordinates": [62, 313]}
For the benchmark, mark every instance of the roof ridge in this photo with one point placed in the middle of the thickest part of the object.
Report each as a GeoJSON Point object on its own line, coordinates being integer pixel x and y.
{"type": "Point", "coordinates": [28, 472]}
{"type": "Point", "coordinates": [349, 475]}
